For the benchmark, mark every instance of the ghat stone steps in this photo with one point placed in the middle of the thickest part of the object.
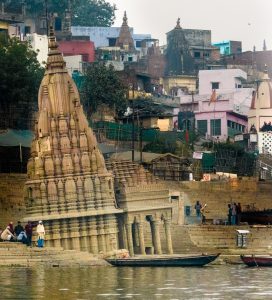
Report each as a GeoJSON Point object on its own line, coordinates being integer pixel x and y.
{"type": "Point", "coordinates": [16, 254]}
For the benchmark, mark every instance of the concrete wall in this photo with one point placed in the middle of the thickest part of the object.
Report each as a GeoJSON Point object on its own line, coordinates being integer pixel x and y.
{"type": "Point", "coordinates": [12, 207]}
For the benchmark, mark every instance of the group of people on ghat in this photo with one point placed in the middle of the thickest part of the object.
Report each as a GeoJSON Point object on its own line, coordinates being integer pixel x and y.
{"type": "Point", "coordinates": [23, 234]}
{"type": "Point", "coordinates": [234, 213]}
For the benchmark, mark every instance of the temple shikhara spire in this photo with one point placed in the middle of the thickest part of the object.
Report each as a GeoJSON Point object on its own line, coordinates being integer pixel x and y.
{"type": "Point", "coordinates": [125, 40]}
{"type": "Point", "coordinates": [68, 185]}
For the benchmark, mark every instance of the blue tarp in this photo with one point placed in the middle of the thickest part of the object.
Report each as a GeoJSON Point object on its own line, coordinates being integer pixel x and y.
{"type": "Point", "coordinates": [13, 137]}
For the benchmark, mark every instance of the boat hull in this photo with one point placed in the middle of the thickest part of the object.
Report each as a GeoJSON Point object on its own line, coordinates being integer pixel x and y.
{"type": "Point", "coordinates": [257, 261]}
{"type": "Point", "coordinates": [257, 217]}
{"type": "Point", "coordinates": [171, 261]}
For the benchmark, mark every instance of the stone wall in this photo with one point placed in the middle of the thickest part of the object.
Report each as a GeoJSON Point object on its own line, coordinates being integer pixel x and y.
{"type": "Point", "coordinates": [217, 195]}
{"type": "Point", "coordinates": [12, 206]}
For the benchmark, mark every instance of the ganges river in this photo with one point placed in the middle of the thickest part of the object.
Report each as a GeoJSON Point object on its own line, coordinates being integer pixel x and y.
{"type": "Point", "coordinates": [210, 282]}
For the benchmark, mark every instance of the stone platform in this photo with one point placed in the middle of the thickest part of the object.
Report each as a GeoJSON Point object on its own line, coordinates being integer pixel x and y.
{"type": "Point", "coordinates": [17, 254]}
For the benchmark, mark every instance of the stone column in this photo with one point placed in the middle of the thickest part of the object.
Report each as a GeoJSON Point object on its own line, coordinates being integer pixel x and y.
{"type": "Point", "coordinates": [124, 236]}
{"type": "Point", "coordinates": [156, 236]}
{"type": "Point", "coordinates": [167, 227]}
{"type": "Point", "coordinates": [141, 237]}
{"type": "Point", "coordinates": [83, 234]}
{"type": "Point", "coordinates": [129, 238]}
{"type": "Point", "coordinates": [56, 233]}
{"type": "Point", "coordinates": [92, 232]}
{"type": "Point", "coordinates": [101, 235]}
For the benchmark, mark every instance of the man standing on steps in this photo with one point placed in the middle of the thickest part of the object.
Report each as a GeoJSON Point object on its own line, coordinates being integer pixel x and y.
{"type": "Point", "coordinates": [28, 230]}
{"type": "Point", "coordinates": [203, 214]}
{"type": "Point", "coordinates": [41, 234]}
{"type": "Point", "coordinates": [198, 207]}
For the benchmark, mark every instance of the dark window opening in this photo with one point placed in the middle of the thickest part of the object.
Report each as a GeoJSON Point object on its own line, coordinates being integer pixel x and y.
{"type": "Point", "coordinates": [215, 85]}
{"type": "Point", "coordinates": [27, 30]}
{"type": "Point", "coordinates": [58, 24]}
{"type": "Point", "coordinates": [196, 54]}
{"type": "Point", "coordinates": [138, 44]}
{"type": "Point", "coordinates": [112, 42]}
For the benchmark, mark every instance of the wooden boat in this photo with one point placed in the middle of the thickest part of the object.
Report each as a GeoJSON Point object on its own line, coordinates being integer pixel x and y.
{"type": "Point", "coordinates": [164, 260]}
{"type": "Point", "coordinates": [257, 217]}
{"type": "Point", "coordinates": [257, 260]}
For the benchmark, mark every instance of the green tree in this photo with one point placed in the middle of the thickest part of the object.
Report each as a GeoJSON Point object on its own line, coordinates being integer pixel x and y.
{"type": "Point", "coordinates": [84, 12]}
{"type": "Point", "coordinates": [20, 78]}
{"type": "Point", "coordinates": [102, 86]}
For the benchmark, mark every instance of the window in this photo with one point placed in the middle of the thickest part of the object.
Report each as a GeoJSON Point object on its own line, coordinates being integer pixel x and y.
{"type": "Point", "coordinates": [138, 44]}
{"type": "Point", "coordinates": [43, 24]}
{"type": "Point", "coordinates": [27, 30]}
{"type": "Point", "coordinates": [202, 126]}
{"type": "Point", "coordinates": [215, 85]}
{"type": "Point", "coordinates": [196, 54]}
{"type": "Point", "coordinates": [216, 127]}
{"type": "Point", "coordinates": [58, 25]}
{"type": "Point", "coordinates": [112, 42]}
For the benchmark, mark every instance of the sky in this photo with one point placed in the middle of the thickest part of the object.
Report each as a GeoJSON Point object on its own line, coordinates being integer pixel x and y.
{"type": "Point", "coordinates": [249, 21]}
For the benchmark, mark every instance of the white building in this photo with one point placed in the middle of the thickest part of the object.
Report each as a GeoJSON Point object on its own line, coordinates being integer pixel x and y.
{"type": "Point", "coordinates": [107, 36]}
{"type": "Point", "coordinates": [228, 84]}
{"type": "Point", "coordinates": [224, 80]}
{"type": "Point", "coordinates": [39, 44]}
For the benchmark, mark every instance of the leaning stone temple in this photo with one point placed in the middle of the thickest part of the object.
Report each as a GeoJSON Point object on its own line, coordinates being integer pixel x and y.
{"type": "Point", "coordinates": [68, 184]}
{"type": "Point", "coordinates": [84, 204]}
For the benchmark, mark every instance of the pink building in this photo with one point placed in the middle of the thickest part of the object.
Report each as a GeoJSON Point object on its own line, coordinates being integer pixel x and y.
{"type": "Point", "coordinates": [227, 115]}
{"type": "Point", "coordinates": [218, 120]}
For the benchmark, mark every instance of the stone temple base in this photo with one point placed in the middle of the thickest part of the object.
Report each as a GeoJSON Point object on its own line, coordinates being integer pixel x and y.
{"type": "Point", "coordinates": [94, 234]}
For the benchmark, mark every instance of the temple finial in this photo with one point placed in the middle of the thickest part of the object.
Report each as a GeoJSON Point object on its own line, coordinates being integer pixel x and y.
{"type": "Point", "coordinates": [125, 18]}
{"type": "Point", "coordinates": [55, 59]}
{"type": "Point", "coordinates": [178, 24]}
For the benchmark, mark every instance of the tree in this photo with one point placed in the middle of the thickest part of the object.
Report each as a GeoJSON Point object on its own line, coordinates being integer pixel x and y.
{"type": "Point", "coordinates": [84, 12]}
{"type": "Point", "coordinates": [102, 86]}
{"type": "Point", "coordinates": [20, 78]}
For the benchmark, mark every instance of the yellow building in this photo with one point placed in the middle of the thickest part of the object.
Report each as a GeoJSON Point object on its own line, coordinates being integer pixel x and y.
{"type": "Point", "coordinates": [184, 82]}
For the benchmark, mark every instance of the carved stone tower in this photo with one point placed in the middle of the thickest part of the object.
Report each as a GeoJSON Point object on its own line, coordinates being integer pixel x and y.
{"type": "Point", "coordinates": [125, 40]}
{"type": "Point", "coordinates": [68, 185]}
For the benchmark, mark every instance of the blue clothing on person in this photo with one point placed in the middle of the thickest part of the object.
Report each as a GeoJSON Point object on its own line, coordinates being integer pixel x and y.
{"type": "Point", "coordinates": [22, 237]}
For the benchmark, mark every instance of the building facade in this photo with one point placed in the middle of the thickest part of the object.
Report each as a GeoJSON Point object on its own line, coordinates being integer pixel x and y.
{"type": "Point", "coordinates": [229, 47]}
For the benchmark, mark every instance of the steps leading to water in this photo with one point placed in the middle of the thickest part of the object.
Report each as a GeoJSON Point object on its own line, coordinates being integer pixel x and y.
{"type": "Point", "coordinates": [16, 254]}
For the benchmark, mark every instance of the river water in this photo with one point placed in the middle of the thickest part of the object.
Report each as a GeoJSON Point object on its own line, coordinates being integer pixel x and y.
{"type": "Point", "coordinates": [210, 282]}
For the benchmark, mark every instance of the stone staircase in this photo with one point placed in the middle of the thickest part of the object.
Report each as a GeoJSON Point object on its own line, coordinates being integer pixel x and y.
{"type": "Point", "coordinates": [17, 254]}
{"type": "Point", "coordinates": [223, 238]}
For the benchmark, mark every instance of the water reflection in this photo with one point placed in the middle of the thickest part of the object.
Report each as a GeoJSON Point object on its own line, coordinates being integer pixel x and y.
{"type": "Point", "coordinates": [212, 282]}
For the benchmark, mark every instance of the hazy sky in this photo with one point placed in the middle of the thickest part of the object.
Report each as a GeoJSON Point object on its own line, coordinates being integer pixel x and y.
{"type": "Point", "coordinates": [249, 21]}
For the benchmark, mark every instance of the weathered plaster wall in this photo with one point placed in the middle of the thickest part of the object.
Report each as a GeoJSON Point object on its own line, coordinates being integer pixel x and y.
{"type": "Point", "coordinates": [12, 207]}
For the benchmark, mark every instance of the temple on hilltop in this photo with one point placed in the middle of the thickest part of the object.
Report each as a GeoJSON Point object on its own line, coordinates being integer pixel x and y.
{"type": "Point", "coordinates": [70, 188]}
